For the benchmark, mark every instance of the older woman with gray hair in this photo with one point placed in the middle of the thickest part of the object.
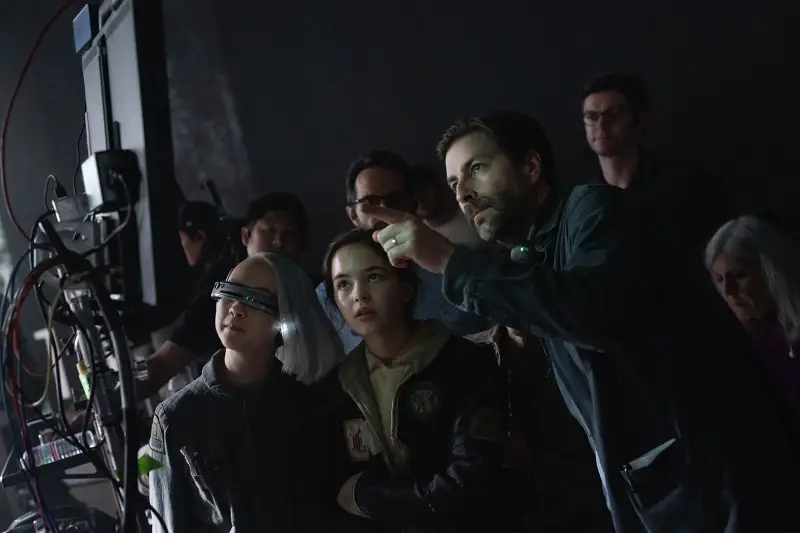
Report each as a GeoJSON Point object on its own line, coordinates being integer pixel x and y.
{"type": "Point", "coordinates": [756, 269]}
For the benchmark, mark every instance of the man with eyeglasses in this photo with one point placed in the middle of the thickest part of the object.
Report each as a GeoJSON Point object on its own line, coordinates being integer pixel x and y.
{"type": "Point", "coordinates": [385, 179]}
{"type": "Point", "coordinates": [689, 203]}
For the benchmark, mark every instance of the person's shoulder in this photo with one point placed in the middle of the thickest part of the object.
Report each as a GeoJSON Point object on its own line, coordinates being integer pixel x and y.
{"type": "Point", "coordinates": [467, 354]}
{"type": "Point", "coordinates": [679, 172]}
{"type": "Point", "coordinates": [594, 192]}
{"type": "Point", "coordinates": [323, 399]}
{"type": "Point", "coordinates": [176, 418]}
{"type": "Point", "coordinates": [188, 401]}
{"type": "Point", "coordinates": [593, 199]}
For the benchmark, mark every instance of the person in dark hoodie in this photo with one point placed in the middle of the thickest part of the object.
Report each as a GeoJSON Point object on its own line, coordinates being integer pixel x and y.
{"type": "Point", "coordinates": [232, 455]}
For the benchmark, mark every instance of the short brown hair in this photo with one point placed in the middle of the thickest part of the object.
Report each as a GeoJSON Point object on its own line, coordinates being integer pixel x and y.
{"type": "Point", "coordinates": [377, 159]}
{"type": "Point", "coordinates": [514, 132]}
{"type": "Point", "coordinates": [629, 85]}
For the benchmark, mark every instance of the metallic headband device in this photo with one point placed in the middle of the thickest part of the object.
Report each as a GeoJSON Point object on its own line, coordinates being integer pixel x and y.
{"type": "Point", "coordinates": [261, 300]}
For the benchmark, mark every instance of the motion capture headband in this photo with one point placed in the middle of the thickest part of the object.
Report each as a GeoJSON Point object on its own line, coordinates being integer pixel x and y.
{"type": "Point", "coordinates": [261, 300]}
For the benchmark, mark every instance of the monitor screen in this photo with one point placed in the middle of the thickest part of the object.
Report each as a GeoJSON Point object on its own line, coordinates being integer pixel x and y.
{"type": "Point", "coordinates": [127, 108]}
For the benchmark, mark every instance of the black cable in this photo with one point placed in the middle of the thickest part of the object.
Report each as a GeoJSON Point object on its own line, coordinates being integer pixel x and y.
{"type": "Point", "coordinates": [33, 480]}
{"type": "Point", "coordinates": [130, 465]}
{"type": "Point", "coordinates": [47, 189]}
{"type": "Point", "coordinates": [78, 157]}
{"type": "Point", "coordinates": [57, 367]}
{"type": "Point", "coordinates": [93, 457]}
{"type": "Point", "coordinates": [77, 263]}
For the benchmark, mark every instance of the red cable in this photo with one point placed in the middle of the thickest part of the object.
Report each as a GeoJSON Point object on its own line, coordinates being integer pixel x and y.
{"type": "Point", "coordinates": [30, 279]}
{"type": "Point", "coordinates": [28, 61]}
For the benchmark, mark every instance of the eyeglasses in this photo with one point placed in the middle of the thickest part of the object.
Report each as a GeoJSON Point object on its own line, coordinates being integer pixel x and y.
{"type": "Point", "coordinates": [392, 199]}
{"type": "Point", "coordinates": [612, 114]}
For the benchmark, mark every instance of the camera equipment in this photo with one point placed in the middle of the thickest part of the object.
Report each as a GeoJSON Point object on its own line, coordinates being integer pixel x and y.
{"type": "Point", "coordinates": [261, 300]}
{"type": "Point", "coordinates": [111, 256]}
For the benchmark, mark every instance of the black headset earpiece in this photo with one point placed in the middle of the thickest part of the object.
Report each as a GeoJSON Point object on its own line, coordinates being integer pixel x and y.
{"type": "Point", "coordinates": [278, 340]}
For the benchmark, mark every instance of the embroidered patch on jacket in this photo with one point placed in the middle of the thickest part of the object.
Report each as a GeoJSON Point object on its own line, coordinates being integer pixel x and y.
{"type": "Point", "coordinates": [424, 401]}
{"type": "Point", "coordinates": [487, 424]}
{"type": "Point", "coordinates": [357, 447]}
{"type": "Point", "coordinates": [157, 436]}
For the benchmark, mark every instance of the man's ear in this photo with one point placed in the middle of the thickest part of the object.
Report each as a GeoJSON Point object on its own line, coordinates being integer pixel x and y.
{"type": "Point", "coordinates": [533, 166]}
{"type": "Point", "coordinates": [351, 214]}
{"type": "Point", "coordinates": [245, 235]}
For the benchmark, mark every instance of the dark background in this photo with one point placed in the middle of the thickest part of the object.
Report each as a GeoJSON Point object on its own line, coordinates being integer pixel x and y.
{"type": "Point", "coordinates": [307, 86]}
{"type": "Point", "coordinates": [316, 83]}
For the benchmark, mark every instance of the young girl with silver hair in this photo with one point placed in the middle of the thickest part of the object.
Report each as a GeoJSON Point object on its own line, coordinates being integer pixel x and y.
{"type": "Point", "coordinates": [756, 269]}
{"type": "Point", "coordinates": [238, 447]}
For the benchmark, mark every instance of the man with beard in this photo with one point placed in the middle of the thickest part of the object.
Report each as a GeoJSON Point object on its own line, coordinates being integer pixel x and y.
{"type": "Point", "coordinates": [688, 433]}
{"type": "Point", "coordinates": [383, 178]}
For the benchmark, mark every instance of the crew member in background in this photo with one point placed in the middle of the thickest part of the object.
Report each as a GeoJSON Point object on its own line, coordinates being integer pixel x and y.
{"type": "Point", "coordinates": [276, 223]}
{"type": "Point", "coordinates": [690, 204]}
{"type": "Point", "coordinates": [384, 178]}
{"type": "Point", "coordinates": [203, 242]}
{"type": "Point", "coordinates": [439, 208]}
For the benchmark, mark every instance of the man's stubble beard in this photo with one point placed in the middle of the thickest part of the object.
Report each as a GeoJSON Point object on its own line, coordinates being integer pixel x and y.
{"type": "Point", "coordinates": [504, 224]}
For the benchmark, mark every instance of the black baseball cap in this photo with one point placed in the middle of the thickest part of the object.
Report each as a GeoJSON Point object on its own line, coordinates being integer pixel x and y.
{"type": "Point", "coordinates": [195, 217]}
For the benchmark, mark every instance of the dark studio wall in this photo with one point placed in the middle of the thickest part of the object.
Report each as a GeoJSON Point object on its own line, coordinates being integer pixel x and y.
{"type": "Point", "coordinates": [317, 83]}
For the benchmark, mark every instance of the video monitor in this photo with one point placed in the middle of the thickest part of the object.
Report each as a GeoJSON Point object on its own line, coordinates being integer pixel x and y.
{"type": "Point", "coordinates": [128, 123]}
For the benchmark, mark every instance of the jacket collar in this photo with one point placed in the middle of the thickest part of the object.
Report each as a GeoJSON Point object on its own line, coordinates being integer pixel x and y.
{"type": "Point", "coordinates": [547, 218]}
{"type": "Point", "coordinates": [213, 372]}
{"type": "Point", "coordinates": [541, 234]}
{"type": "Point", "coordinates": [422, 350]}
{"type": "Point", "coordinates": [646, 167]}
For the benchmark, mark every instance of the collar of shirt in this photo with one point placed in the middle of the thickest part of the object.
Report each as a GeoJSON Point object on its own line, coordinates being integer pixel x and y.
{"type": "Point", "coordinates": [646, 167]}
{"type": "Point", "coordinates": [429, 336]}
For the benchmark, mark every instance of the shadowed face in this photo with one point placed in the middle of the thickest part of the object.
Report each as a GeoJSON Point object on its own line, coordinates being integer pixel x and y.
{"type": "Point", "coordinates": [242, 328]}
{"type": "Point", "coordinates": [379, 186]}
{"type": "Point", "coordinates": [276, 232]}
{"type": "Point", "coordinates": [743, 287]}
